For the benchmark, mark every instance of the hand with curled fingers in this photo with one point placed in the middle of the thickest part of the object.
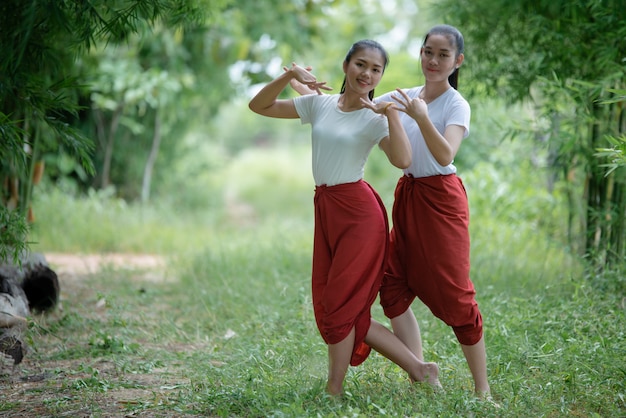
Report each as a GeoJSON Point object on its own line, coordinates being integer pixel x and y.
{"type": "Point", "coordinates": [378, 107]}
{"type": "Point", "coordinates": [415, 108]}
{"type": "Point", "coordinates": [308, 86]}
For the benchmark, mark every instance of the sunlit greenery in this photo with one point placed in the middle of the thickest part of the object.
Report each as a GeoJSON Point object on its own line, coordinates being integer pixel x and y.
{"type": "Point", "coordinates": [229, 206]}
{"type": "Point", "coordinates": [233, 334]}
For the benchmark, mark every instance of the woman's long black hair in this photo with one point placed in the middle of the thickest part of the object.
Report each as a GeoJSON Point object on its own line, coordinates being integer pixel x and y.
{"type": "Point", "coordinates": [358, 46]}
{"type": "Point", "coordinates": [456, 39]}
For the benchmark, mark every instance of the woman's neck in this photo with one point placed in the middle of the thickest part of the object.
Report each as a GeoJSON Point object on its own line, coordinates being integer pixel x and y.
{"type": "Point", "coordinates": [349, 102]}
{"type": "Point", "coordinates": [431, 91]}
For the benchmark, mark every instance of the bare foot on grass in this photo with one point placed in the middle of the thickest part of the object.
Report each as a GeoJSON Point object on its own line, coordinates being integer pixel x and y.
{"type": "Point", "coordinates": [428, 373]}
{"type": "Point", "coordinates": [486, 396]}
{"type": "Point", "coordinates": [334, 390]}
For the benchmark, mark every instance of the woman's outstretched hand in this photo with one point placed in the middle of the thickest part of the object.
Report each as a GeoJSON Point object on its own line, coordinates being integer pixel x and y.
{"type": "Point", "coordinates": [415, 108]}
{"type": "Point", "coordinates": [378, 107]}
{"type": "Point", "coordinates": [309, 86]}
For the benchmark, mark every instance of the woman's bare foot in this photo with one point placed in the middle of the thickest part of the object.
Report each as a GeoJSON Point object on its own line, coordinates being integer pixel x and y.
{"type": "Point", "coordinates": [333, 390]}
{"type": "Point", "coordinates": [486, 396]}
{"type": "Point", "coordinates": [429, 373]}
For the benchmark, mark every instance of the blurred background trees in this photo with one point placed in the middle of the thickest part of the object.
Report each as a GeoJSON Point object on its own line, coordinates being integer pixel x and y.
{"type": "Point", "coordinates": [45, 92]}
{"type": "Point", "coordinates": [567, 60]}
{"type": "Point", "coordinates": [144, 99]}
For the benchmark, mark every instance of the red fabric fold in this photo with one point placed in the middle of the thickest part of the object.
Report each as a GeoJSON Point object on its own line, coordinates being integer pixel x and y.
{"type": "Point", "coordinates": [430, 254]}
{"type": "Point", "coordinates": [349, 252]}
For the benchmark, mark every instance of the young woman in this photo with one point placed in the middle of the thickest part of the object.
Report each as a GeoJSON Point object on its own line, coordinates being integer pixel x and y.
{"type": "Point", "coordinates": [351, 229]}
{"type": "Point", "coordinates": [430, 243]}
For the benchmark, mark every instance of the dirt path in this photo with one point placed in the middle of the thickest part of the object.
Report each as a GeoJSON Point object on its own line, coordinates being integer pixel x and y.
{"type": "Point", "coordinates": [34, 386]}
{"type": "Point", "coordinates": [77, 264]}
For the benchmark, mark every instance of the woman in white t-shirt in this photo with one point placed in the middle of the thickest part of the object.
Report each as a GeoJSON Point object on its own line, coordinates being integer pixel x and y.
{"type": "Point", "coordinates": [351, 228]}
{"type": "Point", "coordinates": [429, 242]}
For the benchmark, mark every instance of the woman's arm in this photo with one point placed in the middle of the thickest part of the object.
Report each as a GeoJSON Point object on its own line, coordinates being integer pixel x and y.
{"type": "Point", "coordinates": [304, 89]}
{"type": "Point", "coordinates": [442, 147]}
{"type": "Point", "coordinates": [396, 145]}
{"type": "Point", "coordinates": [266, 101]}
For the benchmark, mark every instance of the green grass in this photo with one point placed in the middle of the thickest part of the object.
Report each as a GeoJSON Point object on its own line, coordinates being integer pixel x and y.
{"type": "Point", "coordinates": [234, 334]}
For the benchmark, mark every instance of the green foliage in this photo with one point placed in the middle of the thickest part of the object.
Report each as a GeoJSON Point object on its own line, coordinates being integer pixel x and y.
{"type": "Point", "coordinates": [39, 90]}
{"type": "Point", "coordinates": [134, 91]}
{"type": "Point", "coordinates": [567, 64]}
{"type": "Point", "coordinates": [101, 222]}
{"type": "Point", "coordinates": [616, 153]}
{"type": "Point", "coordinates": [233, 334]}
{"type": "Point", "coordinates": [194, 180]}
{"type": "Point", "coordinates": [11, 148]}
{"type": "Point", "coordinates": [514, 43]}
{"type": "Point", "coordinates": [394, 24]}
{"type": "Point", "coordinates": [514, 219]}
{"type": "Point", "coordinates": [200, 59]}
{"type": "Point", "coordinates": [13, 235]}
{"type": "Point", "coordinates": [195, 43]}
{"type": "Point", "coordinates": [275, 171]}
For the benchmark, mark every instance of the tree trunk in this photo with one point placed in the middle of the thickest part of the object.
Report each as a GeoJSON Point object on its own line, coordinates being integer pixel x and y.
{"type": "Point", "coordinates": [154, 152]}
{"type": "Point", "coordinates": [606, 201]}
{"type": "Point", "coordinates": [617, 252]}
{"type": "Point", "coordinates": [108, 151]}
{"type": "Point", "coordinates": [596, 198]}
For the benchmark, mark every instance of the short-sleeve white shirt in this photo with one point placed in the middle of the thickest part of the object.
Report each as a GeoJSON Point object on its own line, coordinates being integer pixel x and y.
{"type": "Point", "coordinates": [341, 141]}
{"type": "Point", "coordinates": [448, 109]}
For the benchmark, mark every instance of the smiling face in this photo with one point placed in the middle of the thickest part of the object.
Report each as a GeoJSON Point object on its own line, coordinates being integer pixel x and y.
{"type": "Point", "coordinates": [364, 70]}
{"type": "Point", "coordinates": [439, 57]}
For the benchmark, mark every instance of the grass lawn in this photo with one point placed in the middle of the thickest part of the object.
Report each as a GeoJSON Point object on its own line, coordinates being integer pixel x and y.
{"type": "Point", "coordinates": [228, 331]}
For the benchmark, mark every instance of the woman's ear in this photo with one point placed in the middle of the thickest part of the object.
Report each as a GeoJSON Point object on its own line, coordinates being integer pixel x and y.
{"type": "Point", "coordinates": [459, 60]}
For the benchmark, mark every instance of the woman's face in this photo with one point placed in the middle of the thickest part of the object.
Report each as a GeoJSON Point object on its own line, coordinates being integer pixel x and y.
{"type": "Point", "coordinates": [364, 71]}
{"type": "Point", "coordinates": [438, 56]}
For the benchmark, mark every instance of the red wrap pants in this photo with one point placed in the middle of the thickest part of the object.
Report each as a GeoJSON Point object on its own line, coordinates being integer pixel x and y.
{"type": "Point", "coordinates": [349, 251]}
{"type": "Point", "coordinates": [430, 254]}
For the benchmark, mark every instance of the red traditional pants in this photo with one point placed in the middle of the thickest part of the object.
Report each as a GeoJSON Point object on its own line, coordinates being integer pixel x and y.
{"type": "Point", "coordinates": [349, 251]}
{"type": "Point", "coordinates": [430, 254]}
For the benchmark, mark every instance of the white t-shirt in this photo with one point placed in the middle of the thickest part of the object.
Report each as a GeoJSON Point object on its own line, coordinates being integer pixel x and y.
{"type": "Point", "coordinates": [448, 109]}
{"type": "Point", "coordinates": [341, 141]}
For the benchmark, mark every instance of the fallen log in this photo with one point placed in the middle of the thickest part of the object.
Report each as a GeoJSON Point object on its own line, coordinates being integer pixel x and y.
{"type": "Point", "coordinates": [26, 288]}
{"type": "Point", "coordinates": [13, 303]}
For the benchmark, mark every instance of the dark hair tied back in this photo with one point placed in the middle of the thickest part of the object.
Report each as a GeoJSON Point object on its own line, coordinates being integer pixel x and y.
{"type": "Point", "coordinates": [359, 46]}
{"type": "Point", "coordinates": [456, 39]}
